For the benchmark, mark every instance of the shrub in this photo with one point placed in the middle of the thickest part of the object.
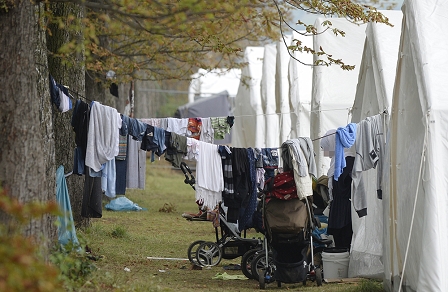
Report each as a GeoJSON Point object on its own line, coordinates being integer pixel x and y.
{"type": "Point", "coordinates": [23, 268]}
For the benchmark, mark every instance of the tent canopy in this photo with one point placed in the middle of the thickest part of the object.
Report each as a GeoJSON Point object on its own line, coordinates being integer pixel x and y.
{"type": "Point", "coordinates": [333, 88]}
{"type": "Point", "coordinates": [248, 130]}
{"type": "Point", "coordinates": [416, 198]}
{"type": "Point", "coordinates": [373, 96]}
{"type": "Point", "coordinates": [217, 105]}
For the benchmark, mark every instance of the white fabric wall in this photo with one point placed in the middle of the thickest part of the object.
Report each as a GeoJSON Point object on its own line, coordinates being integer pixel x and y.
{"type": "Point", "coordinates": [300, 80]}
{"type": "Point", "coordinates": [249, 127]}
{"type": "Point", "coordinates": [419, 124]}
{"type": "Point", "coordinates": [282, 89]}
{"type": "Point", "coordinates": [272, 137]}
{"type": "Point", "coordinates": [373, 96]}
{"type": "Point", "coordinates": [333, 88]}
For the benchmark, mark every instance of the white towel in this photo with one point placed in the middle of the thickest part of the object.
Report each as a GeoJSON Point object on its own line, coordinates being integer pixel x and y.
{"type": "Point", "coordinates": [209, 176]}
{"type": "Point", "coordinates": [103, 136]}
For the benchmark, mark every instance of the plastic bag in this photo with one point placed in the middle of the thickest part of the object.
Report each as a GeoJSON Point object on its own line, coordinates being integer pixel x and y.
{"type": "Point", "coordinates": [122, 204]}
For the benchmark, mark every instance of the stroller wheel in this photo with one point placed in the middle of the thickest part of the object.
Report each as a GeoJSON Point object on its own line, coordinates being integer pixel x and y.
{"type": "Point", "coordinates": [246, 262]}
{"type": "Point", "coordinates": [259, 266]}
{"type": "Point", "coordinates": [208, 254]}
{"type": "Point", "coordinates": [318, 272]}
{"type": "Point", "coordinates": [261, 281]}
{"type": "Point", "coordinates": [192, 249]}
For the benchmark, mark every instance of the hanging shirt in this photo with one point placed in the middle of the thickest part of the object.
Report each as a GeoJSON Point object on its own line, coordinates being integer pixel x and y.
{"type": "Point", "coordinates": [194, 128]}
{"type": "Point", "coordinates": [226, 157]}
{"type": "Point", "coordinates": [192, 149]}
{"type": "Point", "coordinates": [178, 126]}
{"type": "Point", "coordinates": [369, 154]}
{"type": "Point", "coordinates": [154, 141]}
{"type": "Point", "coordinates": [207, 132]}
{"type": "Point", "coordinates": [327, 144]}
{"type": "Point", "coordinates": [108, 178]}
{"type": "Point", "coordinates": [294, 159]}
{"type": "Point", "coordinates": [80, 124]}
{"type": "Point", "coordinates": [249, 205]}
{"type": "Point", "coordinates": [136, 168]}
{"type": "Point", "coordinates": [220, 126]}
{"type": "Point", "coordinates": [155, 122]}
{"type": "Point", "coordinates": [176, 148]}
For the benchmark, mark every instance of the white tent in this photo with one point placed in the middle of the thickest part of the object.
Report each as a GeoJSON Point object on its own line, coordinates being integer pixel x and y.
{"type": "Point", "coordinates": [333, 88]}
{"type": "Point", "coordinates": [373, 96]}
{"type": "Point", "coordinates": [272, 137]}
{"type": "Point", "coordinates": [249, 127]}
{"type": "Point", "coordinates": [300, 81]}
{"type": "Point", "coordinates": [206, 83]}
{"type": "Point", "coordinates": [417, 198]}
{"type": "Point", "coordinates": [282, 89]}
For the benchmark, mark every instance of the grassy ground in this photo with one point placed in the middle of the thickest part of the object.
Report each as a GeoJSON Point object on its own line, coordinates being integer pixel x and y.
{"type": "Point", "coordinates": [125, 240]}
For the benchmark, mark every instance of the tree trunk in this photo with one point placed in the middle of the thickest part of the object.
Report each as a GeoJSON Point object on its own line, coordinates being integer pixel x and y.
{"type": "Point", "coordinates": [25, 166]}
{"type": "Point", "coordinates": [45, 117]}
{"type": "Point", "coordinates": [72, 76]}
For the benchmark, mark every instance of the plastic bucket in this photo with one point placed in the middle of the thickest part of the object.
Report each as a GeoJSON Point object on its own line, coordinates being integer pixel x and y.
{"type": "Point", "coordinates": [335, 264]}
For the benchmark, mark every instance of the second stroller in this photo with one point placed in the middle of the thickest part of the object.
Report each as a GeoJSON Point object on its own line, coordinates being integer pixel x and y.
{"type": "Point", "coordinates": [288, 221]}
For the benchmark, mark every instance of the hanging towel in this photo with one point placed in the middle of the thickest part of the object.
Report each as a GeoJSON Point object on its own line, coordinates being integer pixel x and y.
{"type": "Point", "coordinates": [345, 138]}
{"type": "Point", "coordinates": [209, 176]}
{"type": "Point", "coordinates": [103, 135]}
{"type": "Point", "coordinates": [66, 226]}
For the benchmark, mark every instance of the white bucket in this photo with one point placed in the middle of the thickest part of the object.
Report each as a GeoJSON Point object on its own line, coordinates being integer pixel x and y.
{"type": "Point", "coordinates": [335, 264]}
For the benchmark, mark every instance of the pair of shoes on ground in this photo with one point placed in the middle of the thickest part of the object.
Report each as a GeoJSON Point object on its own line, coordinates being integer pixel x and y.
{"type": "Point", "coordinates": [199, 215]}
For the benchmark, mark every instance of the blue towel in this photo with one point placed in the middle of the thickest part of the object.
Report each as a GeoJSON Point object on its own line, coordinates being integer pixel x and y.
{"type": "Point", "coordinates": [345, 138]}
{"type": "Point", "coordinates": [66, 225]}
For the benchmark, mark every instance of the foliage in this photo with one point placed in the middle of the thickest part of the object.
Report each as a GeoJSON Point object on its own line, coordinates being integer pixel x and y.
{"type": "Point", "coordinates": [74, 265]}
{"type": "Point", "coordinates": [6, 5]}
{"type": "Point", "coordinates": [23, 268]}
{"type": "Point", "coordinates": [166, 39]}
{"type": "Point", "coordinates": [353, 12]}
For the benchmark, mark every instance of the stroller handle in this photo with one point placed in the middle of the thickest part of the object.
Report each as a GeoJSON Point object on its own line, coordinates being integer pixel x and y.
{"type": "Point", "coordinates": [189, 177]}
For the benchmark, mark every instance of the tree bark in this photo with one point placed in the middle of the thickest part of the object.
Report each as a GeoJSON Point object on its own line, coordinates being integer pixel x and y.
{"type": "Point", "coordinates": [72, 76]}
{"type": "Point", "coordinates": [45, 117]}
{"type": "Point", "coordinates": [25, 166]}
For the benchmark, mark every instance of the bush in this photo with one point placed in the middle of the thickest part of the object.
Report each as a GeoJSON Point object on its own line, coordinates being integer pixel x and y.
{"type": "Point", "coordinates": [23, 268]}
{"type": "Point", "coordinates": [74, 265]}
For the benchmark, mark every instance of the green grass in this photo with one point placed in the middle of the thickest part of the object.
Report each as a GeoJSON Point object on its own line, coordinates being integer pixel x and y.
{"type": "Point", "coordinates": [125, 240]}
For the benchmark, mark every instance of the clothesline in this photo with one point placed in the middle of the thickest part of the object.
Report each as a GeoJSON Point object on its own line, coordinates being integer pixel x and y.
{"type": "Point", "coordinates": [78, 95]}
{"type": "Point", "coordinates": [287, 113]}
{"type": "Point", "coordinates": [315, 139]}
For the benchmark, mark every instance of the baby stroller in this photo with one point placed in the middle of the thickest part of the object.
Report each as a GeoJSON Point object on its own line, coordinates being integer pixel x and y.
{"type": "Point", "coordinates": [288, 254]}
{"type": "Point", "coordinates": [229, 244]}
